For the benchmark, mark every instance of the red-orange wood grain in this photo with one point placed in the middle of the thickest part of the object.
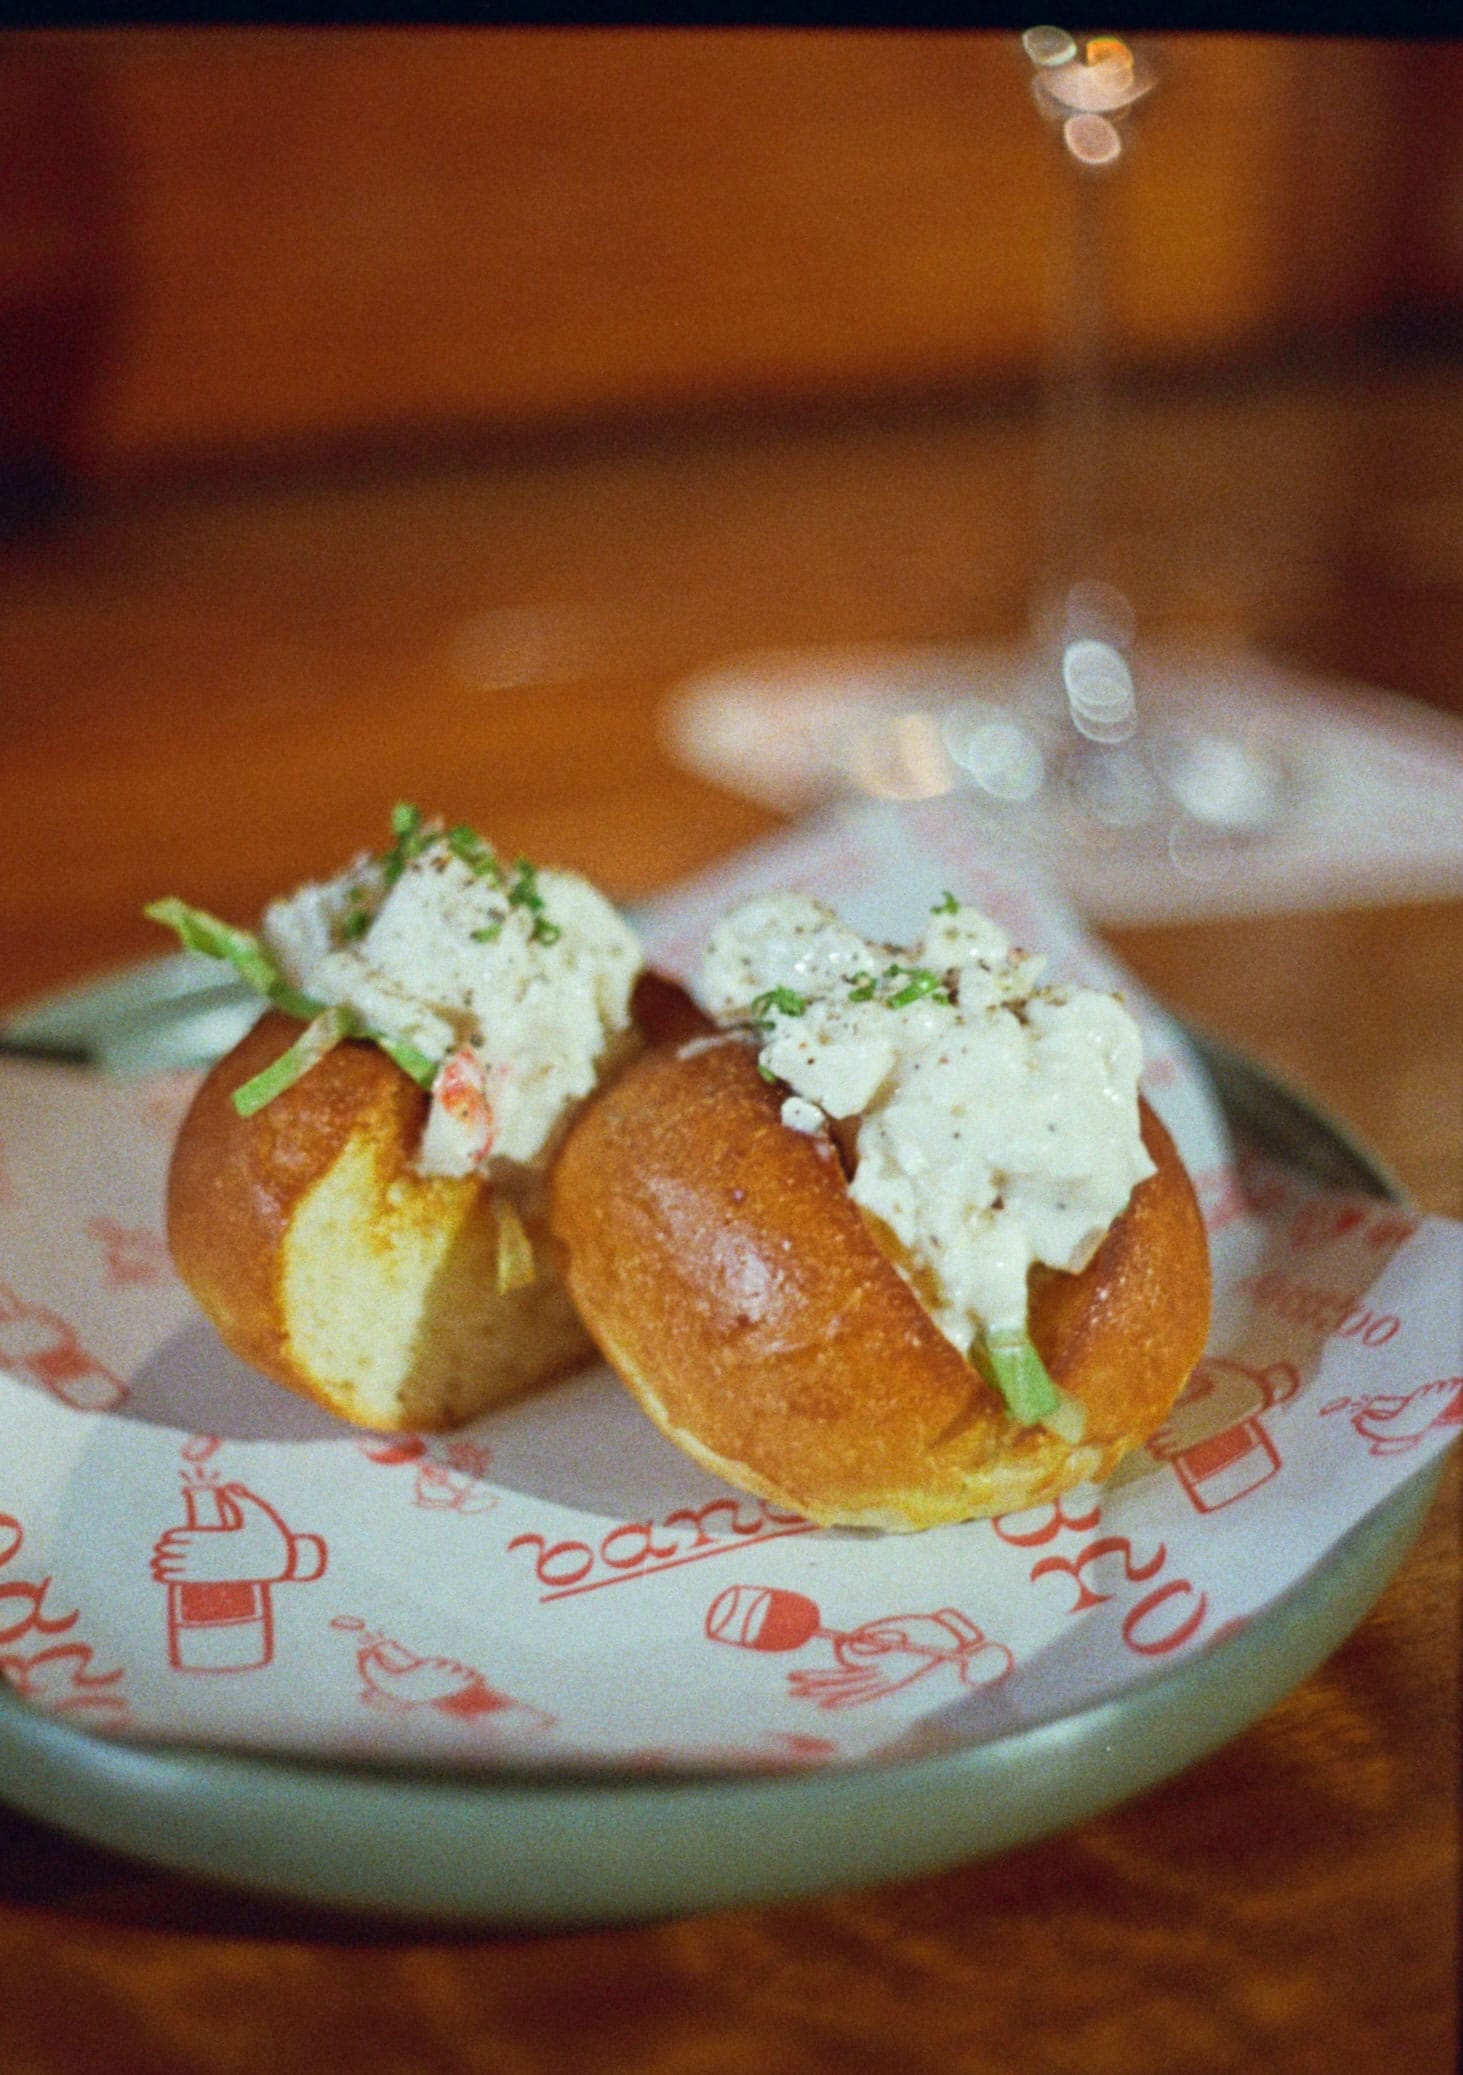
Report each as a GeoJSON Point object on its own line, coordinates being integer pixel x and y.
{"type": "Point", "coordinates": [275, 240]}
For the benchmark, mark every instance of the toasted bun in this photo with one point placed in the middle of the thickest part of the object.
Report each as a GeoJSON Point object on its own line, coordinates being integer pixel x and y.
{"type": "Point", "coordinates": [327, 1263]}
{"type": "Point", "coordinates": [726, 1272]}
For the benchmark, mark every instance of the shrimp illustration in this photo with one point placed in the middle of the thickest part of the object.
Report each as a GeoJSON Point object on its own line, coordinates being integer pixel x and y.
{"type": "Point", "coordinates": [397, 1680]}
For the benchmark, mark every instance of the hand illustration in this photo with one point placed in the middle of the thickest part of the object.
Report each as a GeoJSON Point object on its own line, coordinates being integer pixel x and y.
{"type": "Point", "coordinates": [882, 1656]}
{"type": "Point", "coordinates": [252, 1544]}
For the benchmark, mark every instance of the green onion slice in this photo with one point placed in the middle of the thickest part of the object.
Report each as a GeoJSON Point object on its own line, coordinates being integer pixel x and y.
{"type": "Point", "coordinates": [922, 983]}
{"type": "Point", "coordinates": [310, 1047]}
{"type": "Point", "coordinates": [481, 861]}
{"type": "Point", "coordinates": [325, 1028]}
{"type": "Point", "coordinates": [783, 999]}
{"type": "Point", "coordinates": [240, 948]}
{"type": "Point", "coordinates": [1009, 1361]}
{"type": "Point", "coordinates": [422, 1069]}
{"type": "Point", "coordinates": [412, 838]}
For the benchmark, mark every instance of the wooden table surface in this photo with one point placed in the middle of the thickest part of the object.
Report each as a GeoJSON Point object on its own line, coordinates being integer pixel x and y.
{"type": "Point", "coordinates": [217, 688]}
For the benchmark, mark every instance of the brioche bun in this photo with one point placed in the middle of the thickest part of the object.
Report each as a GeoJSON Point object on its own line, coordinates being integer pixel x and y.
{"type": "Point", "coordinates": [328, 1263]}
{"type": "Point", "coordinates": [727, 1274]}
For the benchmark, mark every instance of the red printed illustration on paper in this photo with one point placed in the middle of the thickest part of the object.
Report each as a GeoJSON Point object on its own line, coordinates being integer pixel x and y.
{"type": "Point", "coordinates": [447, 1475]}
{"type": "Point", "coordinates": [1216, 1439]}
{"type": "Point", "coordinates": [1222, 1199]}
{"type": "Point", "coordinates": [1322, 1221]}
{"type": "Point", "coordinates": [41, 1656]}
{"type": "Point", "coordinates": [643, 1548]}
{"type": "Point", "coordinates": [869, 1662]}
{"type": "Point", "coordinates": [1396, 1422]}
{"type": "Point", "coordinates": [38, 1344]}
{"type": "Point", "coordinates": [221, 1565]}
{"type": "Point", "coordinates": [132, 1256]}
{"type": "Point", "coordinates": [398, 1680]}
{"type": "Point", "coordinates": [1168, 1614]}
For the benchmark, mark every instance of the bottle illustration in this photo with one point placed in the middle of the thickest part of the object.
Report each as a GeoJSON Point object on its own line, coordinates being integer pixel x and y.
{"type": "Point", "coordinates": [1216, 1440]}
{"type": "Point", "coordinates": [219, 1567]}
{"type": "Point", "coordinates": [763, 1617]}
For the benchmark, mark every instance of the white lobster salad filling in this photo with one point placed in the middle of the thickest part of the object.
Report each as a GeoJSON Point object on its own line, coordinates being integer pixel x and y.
{"type": "Point", "coordinates": [997, 1119]}
{"type": "Point", "coordinates": [501, 987]}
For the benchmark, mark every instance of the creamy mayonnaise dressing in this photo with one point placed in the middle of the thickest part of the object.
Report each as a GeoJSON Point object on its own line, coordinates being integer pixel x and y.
{"type": "Point", "coordinates": [513, 983]}
{"type": "Point", "coordinates": [997, 1118]}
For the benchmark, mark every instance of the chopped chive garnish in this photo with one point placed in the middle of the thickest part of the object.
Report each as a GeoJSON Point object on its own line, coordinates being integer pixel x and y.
{"type": "Point", "coordinates": [310, 1047]}
{"type": "Point", "coordinates": [1010, 1361]}
{"type": "Point", "coordinates": [781, 999]}
{"type": "Point", "coordinates": [766, 1071]}
{"type": "Point", "coordinates": [411, 840]}
{"type": "Point", "coordinates": [356, 923]}
{"type": "Point", "coordinates": [468, 845]}
{"type": "Point", "coordinates": [203, 932]}
{"type": "Point", "coordinates": [922, 985]}
{"type": "Point", "coordinates": [489, 933]}
{"type": "Point", "coordinates": [947, 905]}
{"type": "Point", "coordinates": [524, 893]}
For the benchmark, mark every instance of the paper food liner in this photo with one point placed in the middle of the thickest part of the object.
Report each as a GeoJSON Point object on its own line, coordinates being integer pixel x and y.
{"type": "Point", "coordinates": [556, 1585]}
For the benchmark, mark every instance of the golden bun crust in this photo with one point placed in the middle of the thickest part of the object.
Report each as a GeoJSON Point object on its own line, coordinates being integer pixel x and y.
{"type": "Point", "coordinates": [326, 1262]}
{"type": "Point", "coordinates": [726, 1272]}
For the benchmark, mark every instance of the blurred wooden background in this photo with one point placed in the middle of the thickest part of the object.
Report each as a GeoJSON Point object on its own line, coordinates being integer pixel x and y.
{"type": "Point", "coordinates": [234, 246]}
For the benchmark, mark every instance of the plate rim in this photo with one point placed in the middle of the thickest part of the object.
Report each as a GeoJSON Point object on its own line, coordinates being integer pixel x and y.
{"type": "Point", "coordinates": [578, 1850]}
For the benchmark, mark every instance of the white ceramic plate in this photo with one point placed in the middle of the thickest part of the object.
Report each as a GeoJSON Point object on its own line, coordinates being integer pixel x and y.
{"type": "Point", "coordinates": [578, 1849]}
